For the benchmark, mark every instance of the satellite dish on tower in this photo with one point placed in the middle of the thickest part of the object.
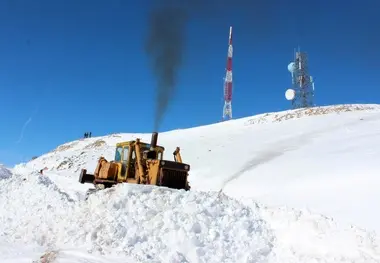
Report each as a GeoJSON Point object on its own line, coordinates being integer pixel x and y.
{"type": "Point", "coordinates": [290, 94]}
{"type": "Point", "coordinates": [291, 67]}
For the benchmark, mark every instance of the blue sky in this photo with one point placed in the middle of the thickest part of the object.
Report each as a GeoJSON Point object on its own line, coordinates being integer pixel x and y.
{"type": "Point", "coordinates": [70, 66]}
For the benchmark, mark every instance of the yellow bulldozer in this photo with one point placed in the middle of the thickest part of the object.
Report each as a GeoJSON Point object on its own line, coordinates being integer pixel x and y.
{"type": "Point", "coordinates": [139, 163]}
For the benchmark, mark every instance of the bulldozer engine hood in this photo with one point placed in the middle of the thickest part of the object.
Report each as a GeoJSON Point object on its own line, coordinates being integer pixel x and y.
{"type": "Point", "coordinates": [174, 165]}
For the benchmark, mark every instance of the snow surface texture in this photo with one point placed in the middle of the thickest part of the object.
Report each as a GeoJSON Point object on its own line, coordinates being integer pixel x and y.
{"type": "Point", "coordinates": [321, 160]}
{"type": "Point", "coordinates": [150, 224]}
{"type": "Point", "coordinates": [4, 172]}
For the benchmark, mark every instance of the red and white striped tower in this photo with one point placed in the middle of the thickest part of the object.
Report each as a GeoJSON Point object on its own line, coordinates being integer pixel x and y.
{"type": "Point", "coordinates": [227, 109]}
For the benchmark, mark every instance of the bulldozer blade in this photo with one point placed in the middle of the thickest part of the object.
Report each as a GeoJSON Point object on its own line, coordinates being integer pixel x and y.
{"type": "Point", "coordinates": [174, 179]}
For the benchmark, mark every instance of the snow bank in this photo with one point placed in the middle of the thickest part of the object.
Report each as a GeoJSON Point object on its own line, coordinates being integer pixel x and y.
{"type": "Point", "coordinates": [159, 225]}
{"type": "Point", "coordinates": [163, 225]}
{"type": "Point", "coordinates": [150, 224]}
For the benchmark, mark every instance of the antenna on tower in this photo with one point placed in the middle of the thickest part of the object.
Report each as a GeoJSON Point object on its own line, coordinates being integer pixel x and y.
{"type": "Point", "coordinates": [227, 108]}
{"type": "Point", "coordinates": [302, 92]}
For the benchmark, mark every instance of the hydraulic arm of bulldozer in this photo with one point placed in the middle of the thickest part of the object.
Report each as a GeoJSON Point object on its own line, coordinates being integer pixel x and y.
{"type": "Point", "coordinates": [140, 167]}
{"type": "Point", "coordinates": [177, 156]}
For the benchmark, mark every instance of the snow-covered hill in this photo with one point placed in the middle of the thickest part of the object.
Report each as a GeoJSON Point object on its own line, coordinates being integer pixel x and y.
{"type": "Point", "coordinates": [321, 160]}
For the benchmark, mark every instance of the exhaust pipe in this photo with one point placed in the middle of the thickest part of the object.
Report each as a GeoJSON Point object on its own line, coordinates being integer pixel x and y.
{"type": "Point", "coordinates": [151, 154]}
{"type": "Point", "coordinates": [153, 141]}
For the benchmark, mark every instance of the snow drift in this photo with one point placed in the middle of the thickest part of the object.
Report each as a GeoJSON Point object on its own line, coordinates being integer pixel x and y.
{"type": "Point", "coordinates": [148, 224]}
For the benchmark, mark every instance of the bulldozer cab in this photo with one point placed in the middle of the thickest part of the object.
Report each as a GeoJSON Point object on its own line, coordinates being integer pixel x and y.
{"type": "Point", "coordinates": [125, 154]}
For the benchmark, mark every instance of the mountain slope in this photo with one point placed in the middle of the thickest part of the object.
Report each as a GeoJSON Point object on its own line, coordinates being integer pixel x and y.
{"type": "Point", "coordinates": [320, 160]}
{"type": "Point", "coordinates": [324, 159]}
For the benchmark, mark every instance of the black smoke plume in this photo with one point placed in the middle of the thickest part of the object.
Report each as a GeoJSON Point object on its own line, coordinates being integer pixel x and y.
{"type": "Point", "coordinates": [165, 47]}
